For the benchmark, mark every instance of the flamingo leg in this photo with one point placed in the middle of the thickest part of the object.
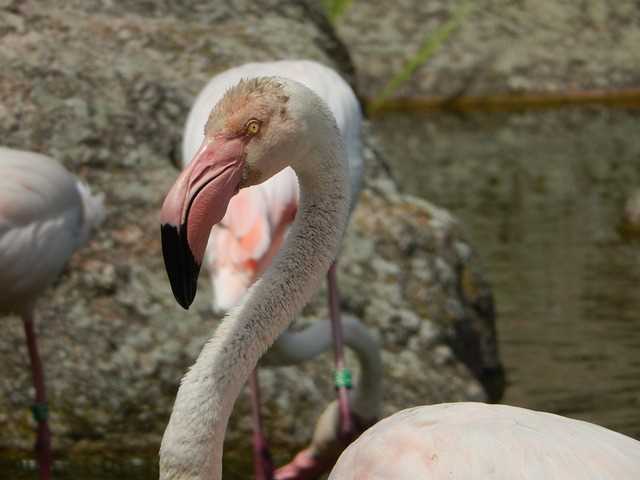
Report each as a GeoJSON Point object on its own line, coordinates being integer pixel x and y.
{"type": "Point", "coordinates": [346, 420]}
{"type": "Point", "coordinates": [262, 461]}
{"type": "Point", "coordinates": [40, 407]}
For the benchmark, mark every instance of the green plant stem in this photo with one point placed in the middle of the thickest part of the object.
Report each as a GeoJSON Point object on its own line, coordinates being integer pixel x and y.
{"type": "Point", "coordinates": [430, 46]}
{"type": "Point", "coordinates": [336, 8]}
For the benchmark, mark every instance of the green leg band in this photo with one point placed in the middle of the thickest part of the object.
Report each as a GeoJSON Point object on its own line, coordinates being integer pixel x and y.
{"type": "Point", "coordinates": [40, 412]}
{"type": "Point", "coordinates": [343, 378]}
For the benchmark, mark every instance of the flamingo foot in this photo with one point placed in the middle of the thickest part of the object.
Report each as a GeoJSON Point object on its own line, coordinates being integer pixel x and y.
{"type": "Point", "coordinates": [304, 466]}
{"type": "Point", "coordinates": [307, 465]}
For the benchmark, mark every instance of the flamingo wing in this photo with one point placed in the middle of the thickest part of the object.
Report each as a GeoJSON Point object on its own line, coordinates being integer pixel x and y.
{"type": "Point", "coordinates": [235, 246]}
{"type": "Point", "coordinates": [249, 235]}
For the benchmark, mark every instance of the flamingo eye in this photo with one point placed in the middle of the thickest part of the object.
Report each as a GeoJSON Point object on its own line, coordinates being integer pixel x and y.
{"type": "Point", "coordinates": [253, 127]}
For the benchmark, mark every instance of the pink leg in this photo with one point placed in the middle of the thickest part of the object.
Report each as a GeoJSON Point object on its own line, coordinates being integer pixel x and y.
{"type": "Point", "coordinates": [343, 377]}
{"type": "Point", "coordinates": [307, 465]}
{"type": "Point", "coordinates": [262, 462]}
{"type": "Point", "coordinates": [40, 407]}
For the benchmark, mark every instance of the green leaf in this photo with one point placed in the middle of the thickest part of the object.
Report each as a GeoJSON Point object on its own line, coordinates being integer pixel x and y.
{"type": "Point", "coordinates": [430, 46]}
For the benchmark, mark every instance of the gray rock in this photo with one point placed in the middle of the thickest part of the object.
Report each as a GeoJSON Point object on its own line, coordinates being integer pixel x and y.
{"type": "Point", "coordinates": [502, 46]}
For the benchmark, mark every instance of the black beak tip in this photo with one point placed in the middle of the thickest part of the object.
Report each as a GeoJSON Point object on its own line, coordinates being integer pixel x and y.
{"type": "Point", "coordinates": [182, 268]}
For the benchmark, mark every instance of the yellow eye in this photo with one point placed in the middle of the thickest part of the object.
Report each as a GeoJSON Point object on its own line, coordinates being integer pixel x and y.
{"type": "Point", "coordinates": [253, 127]}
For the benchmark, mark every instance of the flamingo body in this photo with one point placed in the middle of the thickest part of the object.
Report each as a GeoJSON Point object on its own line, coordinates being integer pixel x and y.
{"type": "Point", "coordinates": [46, 213]}
{"type": "Point", "coordinates": [461, 441]}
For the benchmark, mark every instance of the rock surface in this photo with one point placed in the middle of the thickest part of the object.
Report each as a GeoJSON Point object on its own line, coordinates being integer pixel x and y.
{"type": "Point", "coordinates": [502, 46]}
{"type": "Point", "coordinates": [104, 87]}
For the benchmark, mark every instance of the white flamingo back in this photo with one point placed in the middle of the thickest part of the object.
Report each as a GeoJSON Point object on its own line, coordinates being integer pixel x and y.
{"type": "Point", "coordinates": [45, 215]}
{"type": "Point", "coordinates": [467, 441]}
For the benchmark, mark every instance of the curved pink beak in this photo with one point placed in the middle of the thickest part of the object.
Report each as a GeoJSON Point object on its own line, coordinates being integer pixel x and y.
{"type": "Point", "coordinates": [196, 202]}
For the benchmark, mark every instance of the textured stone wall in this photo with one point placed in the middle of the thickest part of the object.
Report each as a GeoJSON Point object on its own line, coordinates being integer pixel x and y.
{"type": "Point", "coordinates": [501, 46]}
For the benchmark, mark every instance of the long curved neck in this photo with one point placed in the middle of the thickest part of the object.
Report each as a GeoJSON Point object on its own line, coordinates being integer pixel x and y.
{"type": "Point", "coordinates": [192, 443]}
{"type": "Point", "coordinates": [296, 347]}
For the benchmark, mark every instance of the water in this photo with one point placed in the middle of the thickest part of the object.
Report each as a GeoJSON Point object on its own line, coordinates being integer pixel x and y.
{"type": "Point", "coordinates": [541, 195]}
{"type": "Point", "coordinates": [117, 467]}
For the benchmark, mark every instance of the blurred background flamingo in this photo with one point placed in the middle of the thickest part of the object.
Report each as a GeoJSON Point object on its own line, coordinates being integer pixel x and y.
{"type": "Point", "coordinates": [242, 246]}
{"type": "Point", "coordinates": [46, 214]}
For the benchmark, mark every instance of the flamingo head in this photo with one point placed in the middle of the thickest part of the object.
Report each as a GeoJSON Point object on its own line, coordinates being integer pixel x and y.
{"type": "Point", "coordinates": [251, 134]}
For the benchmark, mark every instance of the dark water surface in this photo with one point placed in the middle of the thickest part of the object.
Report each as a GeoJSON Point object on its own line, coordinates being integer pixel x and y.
{"type": "Point", "coordinates": [82, 469]}
{"type": "Point", "coordinates": [125, 467]}
{"type": "Point", "coordinates": [541, 196]}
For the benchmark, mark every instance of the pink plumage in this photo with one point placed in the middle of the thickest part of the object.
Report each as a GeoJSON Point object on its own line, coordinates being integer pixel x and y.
{"type": "Point", "coordinates": [250, 234]}
{"type": "Point", "coordinates": [461, 441]}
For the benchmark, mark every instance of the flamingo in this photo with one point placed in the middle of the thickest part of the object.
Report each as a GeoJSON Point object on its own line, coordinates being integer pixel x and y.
{"type": "Point", "coordinates": [257, 128]}
{"type": "Point", "coordinates": [475, 440]}
{"type": "Point", "coordinates": [242, 245]}
{"type": "Point", "coordinates": [45, 215]}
